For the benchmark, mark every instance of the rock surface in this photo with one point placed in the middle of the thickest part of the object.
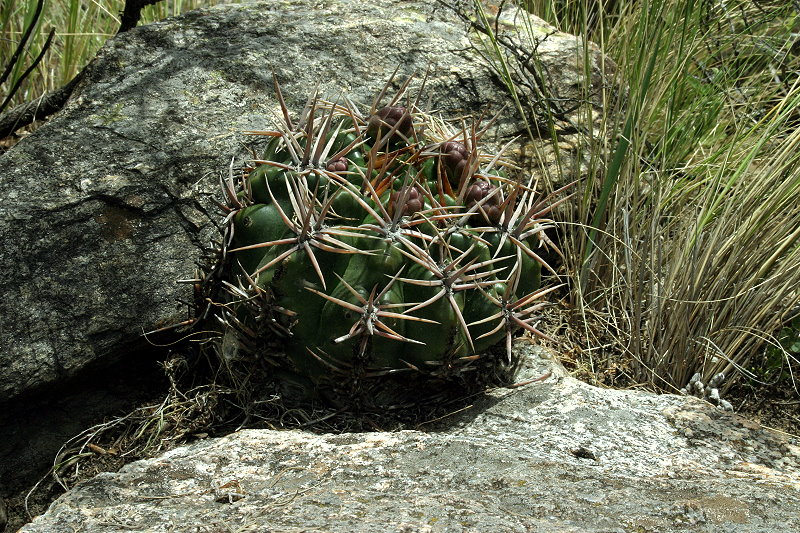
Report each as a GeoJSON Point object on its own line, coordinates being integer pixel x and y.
{"type": "Point", "coordinates": [553, 455]}
{"type": "Point", "coordinates": [104, 205]}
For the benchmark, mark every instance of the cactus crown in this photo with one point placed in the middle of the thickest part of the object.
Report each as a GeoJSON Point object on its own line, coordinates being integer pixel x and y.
{"type": "Point", "coordinates": [380, 250]}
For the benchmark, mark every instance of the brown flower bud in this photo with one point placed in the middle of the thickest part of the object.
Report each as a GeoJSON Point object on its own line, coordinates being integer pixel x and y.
{"type": "Point", "coordinates": [414, 200]}
{"type": "Point", "coordinates": [491, 207]}
{"type": "Point", "coordinates": [454, 158]}
{"type": "Point", "coordinates": [386, 118]}
{"type": "Point", "coordinates": [339, 165]}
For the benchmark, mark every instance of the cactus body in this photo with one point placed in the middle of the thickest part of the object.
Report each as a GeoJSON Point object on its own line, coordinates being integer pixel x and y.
{"type": "Point", "coordinates": [382, 245]}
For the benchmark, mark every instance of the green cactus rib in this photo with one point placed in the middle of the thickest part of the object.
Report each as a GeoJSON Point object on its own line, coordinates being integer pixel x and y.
{"type": "Point", "coordinates": [383, 243]}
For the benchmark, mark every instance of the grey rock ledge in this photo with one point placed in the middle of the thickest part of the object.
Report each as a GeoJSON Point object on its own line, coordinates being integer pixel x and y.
{"type": "Point", "coordinates": [553, 455]}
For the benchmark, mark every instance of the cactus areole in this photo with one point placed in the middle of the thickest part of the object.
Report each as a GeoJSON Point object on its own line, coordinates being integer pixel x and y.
{"type": "Point", "coordinates": [380, 249]}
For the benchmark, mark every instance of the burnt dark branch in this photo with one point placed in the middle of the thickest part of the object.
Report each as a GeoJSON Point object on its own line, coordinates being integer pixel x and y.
{"type": "Point", "coordinates": [38, 109]}
{"type": "Point", "coordinates": [132, 13]}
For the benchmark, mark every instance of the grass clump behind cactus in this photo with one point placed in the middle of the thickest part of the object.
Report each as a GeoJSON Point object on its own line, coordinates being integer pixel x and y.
{"type": "Point", "coordinates": [683, 249]}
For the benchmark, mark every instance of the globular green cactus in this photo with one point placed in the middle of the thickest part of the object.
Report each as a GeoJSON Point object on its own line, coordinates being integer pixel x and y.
{"type": "Point", "coordinates": [381, 245]}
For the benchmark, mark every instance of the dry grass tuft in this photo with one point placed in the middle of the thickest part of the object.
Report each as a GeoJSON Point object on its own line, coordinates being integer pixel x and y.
{"type": "Point", "coordinates": [684, 253]}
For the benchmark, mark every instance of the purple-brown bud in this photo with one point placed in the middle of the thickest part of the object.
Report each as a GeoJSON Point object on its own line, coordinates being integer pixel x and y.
{"type": "Point", "coordinates": [491, 207]}
{"type": "Point", "coordinates": [414, 200]}
{"type": "Point", "coordinates": [454, 158]}
{"type": "Point", "coordinates": [339, 165]}
{"type": "Point", "coordinates": [385, 119]}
